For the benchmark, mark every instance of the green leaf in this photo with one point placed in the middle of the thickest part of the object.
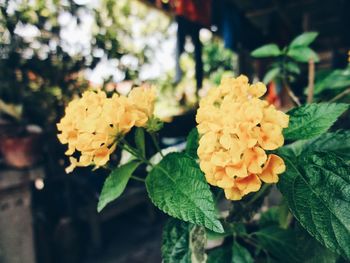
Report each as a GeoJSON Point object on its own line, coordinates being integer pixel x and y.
{"type": "Point", "coordinates": [337, 142]}
{"type": "Point", "coordinates": [304, 39]}
{"type": "Point", "coordinates": [192, 143]}
{"type": "Point", "coordinates": [335, 80]}
{"type": "Point", "coordinates": [280, 243]}
{"type": "Point", "coordinates": [317, 190]}
{"type": "Point", "coordinates": [177, 186]}
{"type": "Point", "coordinates": [183, 242]}
{"type": "Point", "coordinates": [276, 216]}
{"type": "Point", "coordinates": [176, 242]}
{"type": "Point", "coordinates": [311, 250]}
{"type": "Point", "coordinates": [198, 241]}
{"type": "Point", "coordinates": [292, 67]}
{"type": "Point", "coordinates": [236, 229]}
{"type": "Point", "coordinates": [240, 254]}
{"type": "Point", "coordinates": [115, 184]}
{"type": "Point", "coordinates": [269, 50]}
{"type": "Point", "coordinates": [291, 151]}
{"type": "Point", "coordinates": [269, 218]}
{"type": "Point", "coordinates": [310, 120]}
{"type": "Point", "coordinates": [284, 216]}
{"type": "Point", "coordinates": [220, 255]}
{"type": "Point", "coordinates": [303, 54]}
{"type": "Point", "coordinates": [140, 140]}
{"type": "Point", "coordinates": [271, 75]}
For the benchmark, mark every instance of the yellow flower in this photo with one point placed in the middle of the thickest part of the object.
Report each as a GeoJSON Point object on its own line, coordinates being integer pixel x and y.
{"type": "Point", "coordinates": [257, 90]}
{"type": "Point", "coordinates": [249, 184]}
{"type": "Point", "coordinates": [271, 136]}
{"type": "Point", "coordinates": [236, 127]}
{"type": "Point", "coordinates": [143, 99]}
{"type": "Point", "coordinates": [254, 158]}
{"type": "Point", "coordinates": [272, 168]}
{"type": "Point", "coordinates": [92, 124]}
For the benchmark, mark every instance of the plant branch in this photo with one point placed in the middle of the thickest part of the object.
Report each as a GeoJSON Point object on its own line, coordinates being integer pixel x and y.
{"type": "Point", "coordinates": [137, 178]}
{"type": "Point", "coordinates": [311, 85]}
{"type": "Point", "coordinates": [291, 93]}
{"type": "Point", "coordinates": [127, 147]}
{"type": "Point", "coordinates": [259, 194]}
{"type": "Point", "coordinates": [340, 95]}
{"type": "Point", "coordinates": [154, 140]}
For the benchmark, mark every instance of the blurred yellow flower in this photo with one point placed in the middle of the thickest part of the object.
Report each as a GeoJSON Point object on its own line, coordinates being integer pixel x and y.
{"type": "Point", "coordinates": [236, 127]}
{"type": "Point", "coordinates": [93, 123]}
{"type": "Point", "coordinates": [143, 98]}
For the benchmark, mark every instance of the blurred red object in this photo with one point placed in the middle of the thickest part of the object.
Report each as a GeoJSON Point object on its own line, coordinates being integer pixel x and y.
{"type": "Point", "coordinates": [21, 148]}
{"type": "Point", "coordinates": [198, 11]}
{"type": "Point", "coordinates": [272, 94]}
{"type": "Point", "coordinates": [21, 152]}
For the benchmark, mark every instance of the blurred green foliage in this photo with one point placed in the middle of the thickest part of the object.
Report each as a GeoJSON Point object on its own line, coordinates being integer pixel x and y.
{"type": "Point", "coordinates": [285, 67]}
{"type": "Point", "coordinates": [332, 84]}
{"type": "Point", "coordinates": [43, 71]}
{"type": "Point", "coordinates": [218, 60]}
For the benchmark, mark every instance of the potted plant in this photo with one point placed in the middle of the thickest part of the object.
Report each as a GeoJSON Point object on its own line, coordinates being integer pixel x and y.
{"type": "Point", "coordinates": [19, 142]}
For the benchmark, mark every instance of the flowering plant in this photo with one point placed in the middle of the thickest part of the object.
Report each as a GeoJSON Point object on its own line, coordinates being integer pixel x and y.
{"type": "Point", "coordinates": [233, 158]}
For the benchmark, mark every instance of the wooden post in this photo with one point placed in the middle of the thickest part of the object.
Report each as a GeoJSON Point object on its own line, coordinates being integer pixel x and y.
{"type": "Point", "coordinates": [16, 223]}
{"type": "Point", "coordinates": [311, 79]}
{"type": "Point", "coordinates": [311, 68]}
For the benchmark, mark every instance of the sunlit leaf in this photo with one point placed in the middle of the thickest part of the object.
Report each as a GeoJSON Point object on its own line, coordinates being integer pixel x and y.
{"type": "Point", "coordinates": [269, 50]}
{"type": "Point", "coordinates": [115, 183]}
{"type": "Point", "coordinates": [311, 120]}
{"type": "Point", "coordinates": [304, 39]}
{"type": "Point", "coordinates": [303, 54]}
{"type": "Point", "coordinates": [177, 186]}
{"type": "Point", "coordinates": [271, 75]}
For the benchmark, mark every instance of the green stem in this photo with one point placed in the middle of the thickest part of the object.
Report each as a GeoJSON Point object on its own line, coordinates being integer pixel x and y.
{"type": "Point", "coordinates": [259, 194]}
{"type": "Point", "coordinates": [138, 178]}
{"type": "Point", "coordinates": [145, 161]}
{"type": "Point", "coordinates": [219, 195]}
{"type": "Point", "coordinates": [250, 240]}
{"type": "Point", "coordinates": [127, 147]}
{"type": "Point", "coordinates": [340, 95]}
{"type": "Point", "coordinates": [155, 142]}
{"type": "Point", "coordinates": [135, 151]}
{"type": "Point", "coordinates": [290, 92]}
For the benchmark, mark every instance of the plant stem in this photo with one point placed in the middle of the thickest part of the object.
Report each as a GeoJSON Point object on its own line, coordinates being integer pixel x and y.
{"type": "Point", "coordinates": [127, 147]}
{"type": "Point", "coordinates": [138, 178]}
{"type": "Point", "coordinates": [340, 95]}
{"type": "Point", "coordinates": [251, 242]}
{"type": "Point", "coordinates": [311, 86]}
{"type": "Point", "coordinates": [291, 93]}
{"type": "Point", "coordinates": [219, 195]}
{"type": "Point", "coordinates": [154, 140]}
{"type": "Point", "coordinates": [259, 194]}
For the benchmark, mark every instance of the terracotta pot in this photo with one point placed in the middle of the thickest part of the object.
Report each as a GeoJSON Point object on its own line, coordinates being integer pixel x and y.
{"type": "Point", "coordinates": [21, 152]}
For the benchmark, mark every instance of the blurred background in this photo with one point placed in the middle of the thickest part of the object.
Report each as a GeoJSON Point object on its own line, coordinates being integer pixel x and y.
{"type": "Point", "coordinates": [53, 50]}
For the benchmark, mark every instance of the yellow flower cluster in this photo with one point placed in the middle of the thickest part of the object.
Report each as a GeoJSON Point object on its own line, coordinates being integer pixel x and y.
{"type": "Point", "coordinates": [236, 128]}
{"type": "Point", "coordinates": [93, 123]}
